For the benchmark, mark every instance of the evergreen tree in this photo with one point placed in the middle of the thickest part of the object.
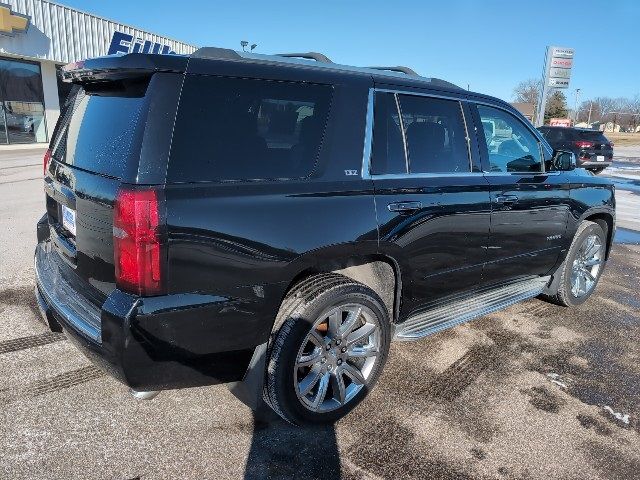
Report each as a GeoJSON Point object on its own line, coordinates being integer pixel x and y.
{"type": "Point", "coordinates": [556, 106]}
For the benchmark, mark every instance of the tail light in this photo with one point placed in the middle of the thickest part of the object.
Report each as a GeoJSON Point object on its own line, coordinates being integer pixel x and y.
{"type": "Point", "coordinates": [45, 161]}
{"type": "Point", "coordinates": [139, 241]}
{"type": "Point", "coordinates": [583, 144]}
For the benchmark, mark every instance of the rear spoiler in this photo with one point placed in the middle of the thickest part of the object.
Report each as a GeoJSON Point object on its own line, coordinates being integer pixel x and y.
{"type": "Point", "coordinates": [119, 67]}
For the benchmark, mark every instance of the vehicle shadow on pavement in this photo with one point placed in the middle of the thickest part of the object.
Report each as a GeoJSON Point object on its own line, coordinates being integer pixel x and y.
{"type": "Point", "coordinates": [281, 450]}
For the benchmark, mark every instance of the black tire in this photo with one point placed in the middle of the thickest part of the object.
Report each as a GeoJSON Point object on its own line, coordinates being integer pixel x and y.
{"type": "Point", "coordinates": [299, 310]}
{"type": "Point", "coordinates": [559, 291]}
{"type": "Point", "coordinates": [597, 171]}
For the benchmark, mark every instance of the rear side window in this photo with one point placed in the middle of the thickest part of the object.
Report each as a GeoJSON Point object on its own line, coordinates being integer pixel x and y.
{"type": "Point", "coordinates": [387, 152]}
{"type": "Point", "coordinates": [100, 128]}
{"type": "Point", "coordinates": [548, 134]}
{"type": "Point", "coordinates": [246, 129]}
{"type": "Point", "coordinates": [435, 135]}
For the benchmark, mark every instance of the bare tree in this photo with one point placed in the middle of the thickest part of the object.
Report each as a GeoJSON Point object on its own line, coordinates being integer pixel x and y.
{"type": "Point", "coordinates": [605, 109]}
{"type": "Point", "coordinates": [527, 91]}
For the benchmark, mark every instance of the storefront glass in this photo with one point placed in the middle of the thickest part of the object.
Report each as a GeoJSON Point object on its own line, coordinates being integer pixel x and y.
{"type": "Point", "coordinates": [64, 88]}
{"type": "Point", "coordinates": [21, 102]}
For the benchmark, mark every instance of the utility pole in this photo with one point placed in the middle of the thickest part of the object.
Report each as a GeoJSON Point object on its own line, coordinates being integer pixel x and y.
{"type": "Point", "coordinates": [575, 107]}
{"type": "Point", "coordinates": [590, 107]}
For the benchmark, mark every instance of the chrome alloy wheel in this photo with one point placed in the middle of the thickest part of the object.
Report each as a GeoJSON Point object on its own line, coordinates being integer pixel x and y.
{"type": "Point", "coordinates": [337, 357]}
{"type": "Point", "coordinates": [586, 266]}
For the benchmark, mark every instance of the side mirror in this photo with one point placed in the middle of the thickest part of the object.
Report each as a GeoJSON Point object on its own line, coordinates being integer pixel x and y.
{"type": "Point", "coordinates": [563, 160]}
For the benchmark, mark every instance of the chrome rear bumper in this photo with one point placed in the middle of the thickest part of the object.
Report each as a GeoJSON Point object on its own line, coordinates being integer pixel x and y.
{"type": "Point", "coordinates": [67, 304]}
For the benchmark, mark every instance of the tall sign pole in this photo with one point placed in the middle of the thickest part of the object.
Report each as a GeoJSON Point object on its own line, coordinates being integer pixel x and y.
{"type": "Point", "coordinates": [556, 74]}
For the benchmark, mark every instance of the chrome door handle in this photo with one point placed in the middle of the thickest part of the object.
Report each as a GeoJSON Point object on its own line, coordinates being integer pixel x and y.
{"type": "Point", "coordinates": [404, 207]}
{"type": "Point", "coordinates": [506, 199]}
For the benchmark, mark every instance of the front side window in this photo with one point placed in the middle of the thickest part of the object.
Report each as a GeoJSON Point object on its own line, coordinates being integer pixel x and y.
{"type": "Point", "coordinates": [247, 129]}
{"type": "Point", "coordinates": [511, 147]}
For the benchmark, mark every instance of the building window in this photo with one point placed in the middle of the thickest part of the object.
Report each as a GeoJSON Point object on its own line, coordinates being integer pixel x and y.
{"type": "Point", "coordinates": [21, 102]}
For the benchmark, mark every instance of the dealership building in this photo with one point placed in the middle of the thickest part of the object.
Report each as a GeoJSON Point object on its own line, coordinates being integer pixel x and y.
{"type": "Point", "coordinates": [37, 37]}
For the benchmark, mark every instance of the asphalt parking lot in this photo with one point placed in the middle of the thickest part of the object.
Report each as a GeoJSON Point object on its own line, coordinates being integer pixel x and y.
{"type": "Point", "coordinates": [536, 391]}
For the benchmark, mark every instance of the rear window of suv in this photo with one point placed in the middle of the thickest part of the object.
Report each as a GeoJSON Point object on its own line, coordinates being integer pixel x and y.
{"type": "Point", "coordinates": [246, 129]}
{"type": "Point", "coordinates": [592, 136]}
{"type": "Point", "coordinates": [100, 128]}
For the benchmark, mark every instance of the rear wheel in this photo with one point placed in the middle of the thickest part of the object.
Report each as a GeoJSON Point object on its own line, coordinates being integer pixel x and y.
{"type": "Point", "coordinates": [597, 171]}
{"type": "Point", "coordinates": [329, 346]}
{"type": "Point", "coordinates": [576, 279]}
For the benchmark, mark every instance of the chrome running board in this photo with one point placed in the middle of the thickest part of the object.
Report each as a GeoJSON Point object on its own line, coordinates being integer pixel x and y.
{"type": "Point", "coordinates": [461, 308]}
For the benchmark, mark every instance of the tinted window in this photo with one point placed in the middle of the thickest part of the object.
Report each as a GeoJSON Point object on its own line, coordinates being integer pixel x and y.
{"type": "Point", "coordinates": [237, 129]}
{"type": "Point", "coordinates": [546, 133]}
{"type": "Point", "coordinates": [511, 146]}
{"type": "Point", "coordinates": [387, 154]}
{"type": "Point", "coordinates": [100, 129]}
{"type": "Point", "coordinates": [435, 135]}
{"type": "Point", "coordinates": [592, 136]}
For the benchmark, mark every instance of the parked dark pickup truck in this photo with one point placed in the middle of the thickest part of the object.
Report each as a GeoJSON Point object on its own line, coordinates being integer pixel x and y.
{"type": "Point", "coordinates": [274, 222]}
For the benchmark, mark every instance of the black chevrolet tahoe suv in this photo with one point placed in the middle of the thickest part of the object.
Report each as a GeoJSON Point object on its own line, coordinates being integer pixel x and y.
{"type": "Point", "coordinates": [274, 222]}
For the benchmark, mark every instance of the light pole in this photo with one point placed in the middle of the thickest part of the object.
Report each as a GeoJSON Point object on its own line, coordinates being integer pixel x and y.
{"type": "Point", "coordinates": [575, 107]}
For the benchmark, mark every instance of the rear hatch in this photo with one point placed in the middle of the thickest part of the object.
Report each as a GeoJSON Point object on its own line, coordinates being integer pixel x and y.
{"type": "Point", "coordinates": [593, 146]}
{"type": "Point", "coordinates": [114, 133]}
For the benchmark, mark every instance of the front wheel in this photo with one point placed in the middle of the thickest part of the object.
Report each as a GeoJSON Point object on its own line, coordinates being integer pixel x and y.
{"type": "Point", "coordinates": [577, 277]}
{"type": "Point", "coordinates": [329, 346]}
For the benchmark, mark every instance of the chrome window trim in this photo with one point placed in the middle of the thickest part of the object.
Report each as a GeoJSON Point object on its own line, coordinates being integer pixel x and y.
{"type": "Point", "coordinates": [496, 174]}
{"type": "Point", "coordinates": [404, 135]}
{"type": "Point", "coordinates": [366, 159]}
{"type": "Point", "coordinates": [467, 137]}
{"type": "Point", "coordinates": [399, 176]}
{"type": "Point", "coordinates": [368, 138]}
{"type": "Point", "coordinates": [457, 98]}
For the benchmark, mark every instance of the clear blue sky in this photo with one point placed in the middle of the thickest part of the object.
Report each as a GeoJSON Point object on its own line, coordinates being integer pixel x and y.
{"type": "Point", "coordinates": [489, 44]}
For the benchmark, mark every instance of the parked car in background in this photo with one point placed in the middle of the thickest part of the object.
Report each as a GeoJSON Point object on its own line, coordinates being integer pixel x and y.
{"type": "Point", "coordinates": [274, 222]}
{"type": "Point", "coordinates": [592, 149]}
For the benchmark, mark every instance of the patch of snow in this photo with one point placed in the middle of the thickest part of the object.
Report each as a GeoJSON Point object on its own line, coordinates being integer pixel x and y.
{"type": "Point", "coordinates": [555, 378]}
{"type": "Point", "coordinates": [623, 418]}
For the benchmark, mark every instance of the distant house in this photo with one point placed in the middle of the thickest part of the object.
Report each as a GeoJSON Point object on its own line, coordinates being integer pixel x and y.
{"type": "Point", "coordinates": [526, 109]}
{"type": "Point", "coordinates": [610, 127]}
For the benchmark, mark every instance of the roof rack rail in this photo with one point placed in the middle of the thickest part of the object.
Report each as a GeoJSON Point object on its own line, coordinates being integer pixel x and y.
{"type": "Point", "coordinates": [318, 57]}
{"type": "Point", "coordinates": [399, 68]}
{"type": "Point", "coordinates": [216, 53]}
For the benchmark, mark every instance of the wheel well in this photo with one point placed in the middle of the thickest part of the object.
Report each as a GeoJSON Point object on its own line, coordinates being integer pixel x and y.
{"type": "Point", "coordinates": [380, 274]}
{"type": "Point", "coordinates": [606, 222]}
